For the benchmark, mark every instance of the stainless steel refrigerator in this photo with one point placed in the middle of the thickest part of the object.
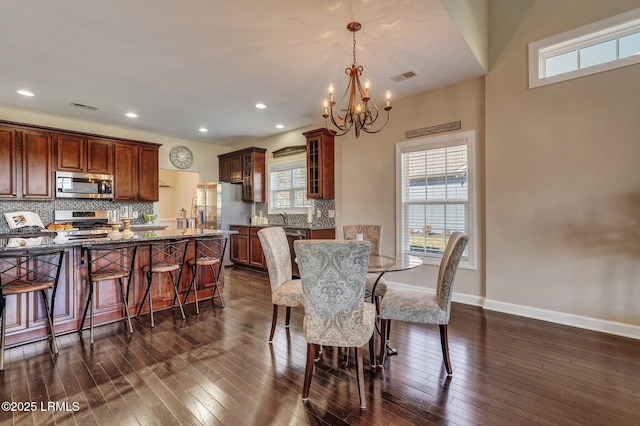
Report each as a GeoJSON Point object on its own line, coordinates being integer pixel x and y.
{"type": "Point", "coordinates": [218, 205]}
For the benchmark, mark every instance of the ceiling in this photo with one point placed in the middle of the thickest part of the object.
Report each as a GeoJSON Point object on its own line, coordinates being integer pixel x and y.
{"type": "Point", "coordinates": [207, 64]}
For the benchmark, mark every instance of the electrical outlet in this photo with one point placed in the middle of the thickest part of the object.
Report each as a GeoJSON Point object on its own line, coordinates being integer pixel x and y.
{"type": "Point", "coordinates": [319, 213]}
{"type": "Point", "coordinates": [135, 215]}
{"type": "Point", "coordinates": [332, 213]}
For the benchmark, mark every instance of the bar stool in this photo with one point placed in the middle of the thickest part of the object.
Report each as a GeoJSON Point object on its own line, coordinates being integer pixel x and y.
{"type": "Point", "coordinates": [209, 251]}
{"type": "Point", "coordinates": [26, 272]}
{"type": "Point", "coordinates": [165, 256]}
{"type": "Point", "coordinates": [108, 262]}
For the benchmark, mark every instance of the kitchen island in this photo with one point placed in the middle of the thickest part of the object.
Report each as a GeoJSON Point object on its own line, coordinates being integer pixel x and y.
{"type": "Point", "coordinates": [25, 316]}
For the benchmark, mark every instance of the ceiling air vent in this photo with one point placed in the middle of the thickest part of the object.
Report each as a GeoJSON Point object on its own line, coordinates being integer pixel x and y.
{"type": "Point", "coordinates": [83, 106]}
{"type": "Point", "coordinates": [403, 76]}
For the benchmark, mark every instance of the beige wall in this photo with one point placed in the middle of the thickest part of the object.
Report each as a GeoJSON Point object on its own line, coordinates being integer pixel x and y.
{"type": "Point", "coordinates": [365, 169]}
{"type": "Point", "coordinates": [562, 176]}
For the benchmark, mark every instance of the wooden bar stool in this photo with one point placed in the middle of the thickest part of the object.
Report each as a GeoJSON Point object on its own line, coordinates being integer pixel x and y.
{"type": "Point", "coordinates": [108, 262]}
{"type": "Point", "coordinates": [165, 257]}
{"type": "Point", "coordinates": [26, 272]}
{"type": "Point", "coordinates": [209, 252]}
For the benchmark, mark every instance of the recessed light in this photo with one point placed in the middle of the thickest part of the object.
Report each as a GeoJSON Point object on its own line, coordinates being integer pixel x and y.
{"type": "Point", "coordinates": [261, 106]}
{"type": "Point", "coordinates": [25, 93]}
{"type": "Point", "coordinates": [279, 126]}
{"type": "Point", "coordinates": [203, 129]}
{"type": "Point", "coordinates": [131, 115]}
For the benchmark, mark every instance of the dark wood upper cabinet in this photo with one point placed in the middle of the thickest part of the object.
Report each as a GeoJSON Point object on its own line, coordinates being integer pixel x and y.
{"type": "Point", "coordinates": [148, 185]}
{"type": "Point", "coordinates": [246, 167]}
{"type": "Point", "coordinates": [8, 163]}
{"type": "Point", "coordinates": [320, 163]}
{"type": "Point", "coordinates": [37, 164]}
{"type": "Point", "coordinates": [100, 156]}
{"type": "Point", "coordinates": [80, 154]}
{"type": "Point", "coordinates": [136, 173]}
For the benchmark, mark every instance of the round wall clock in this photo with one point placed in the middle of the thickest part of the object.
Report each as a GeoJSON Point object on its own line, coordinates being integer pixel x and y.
{"type": "Point", "coordinates": [181, 157]}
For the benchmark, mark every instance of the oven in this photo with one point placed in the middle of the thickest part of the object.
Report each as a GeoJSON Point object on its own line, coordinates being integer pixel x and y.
{"type": "Point", "coordinates": [89, 225]}
{"type": "Point", "coordinates": [84, 185]}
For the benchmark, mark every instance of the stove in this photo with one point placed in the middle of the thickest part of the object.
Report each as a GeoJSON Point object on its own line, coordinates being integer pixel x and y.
{"type": "Point", "coordinates": [87, 224]}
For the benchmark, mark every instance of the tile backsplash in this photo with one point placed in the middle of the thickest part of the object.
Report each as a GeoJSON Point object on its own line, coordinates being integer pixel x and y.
{"type": "Point", "coordinates": [324, 221]}
{"type": "Point", "coordinates": [45, 209]}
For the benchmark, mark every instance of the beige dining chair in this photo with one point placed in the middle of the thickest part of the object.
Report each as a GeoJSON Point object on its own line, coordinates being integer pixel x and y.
{"type": "Point", "coordinates": [373, 234]}
{"type": "Point", "coordinates": [333, 274]}
{"type": "Point", "coordinates": [285, 290]}
{"type": "Point", "coordinates": [421, 306]}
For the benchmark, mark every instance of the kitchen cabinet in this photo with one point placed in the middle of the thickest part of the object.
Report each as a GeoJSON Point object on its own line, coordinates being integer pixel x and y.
{"type": "Point", "coordinates": [26, 164]}
{"type": "Point", "coordinates": [135, 172]}
{"type": "Point", "coordinates": [240, 245]}
{"type": "Point", "coordinates": [245, 167]}
{"type": "Point", "coordinates": [320, 164]}
{"type": "Point", "coordinates": [8, 163]}
{"type": "Point", "coordinates": [37, 165]}
{"type": "Point", "coordinates": [246, 249]}
{"type": "Point", "coordinates": [256, 255]}
{"type": "Point", "coordinates": [84, 155]}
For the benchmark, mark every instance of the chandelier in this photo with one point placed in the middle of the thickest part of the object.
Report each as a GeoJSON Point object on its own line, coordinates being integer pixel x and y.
{"type": "Point", "coordinates": [359, 112]}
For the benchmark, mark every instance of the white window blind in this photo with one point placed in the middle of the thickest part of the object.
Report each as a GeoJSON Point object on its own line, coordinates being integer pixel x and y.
{"type": "Point", "coordinates": [436, 193]}
{"type": "Point", "coordinates": [288, 187]}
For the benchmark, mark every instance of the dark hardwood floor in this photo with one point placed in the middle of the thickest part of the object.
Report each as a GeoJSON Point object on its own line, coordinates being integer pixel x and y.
{"type": "Point", "coordinates": [217, 368]}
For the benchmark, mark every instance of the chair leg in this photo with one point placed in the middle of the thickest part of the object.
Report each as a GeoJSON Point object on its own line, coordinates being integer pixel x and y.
{"type": "Point", "coordinates": [383, 342]}
{"type": "Point", "coordinates": [308, 371]}
{"type": "Point", "coordinates": [45, 302]}
{"type": "Point", "coordinates": [273, 322]}
{"type": "Point", "coordinates": [175, 289]}
{"type": "Point", "coordinates": [194, 284]}
{"type": "Point", "coordinates": [4, 321]}
{"type": "Point", "coordinates": [86, 307]}
{"type": "Point", "coordinates": [360, 374]}
{"type": "Point", "coordinates": [444, 341]}
{"type": "Point", "coordinates": [215, 286]}
{"type": "Point", "coordinates": [287, 317]}
{"type": "Point", "coordinates": [125, 306]}
{"type": "Point", "coordinates": [372, 353]}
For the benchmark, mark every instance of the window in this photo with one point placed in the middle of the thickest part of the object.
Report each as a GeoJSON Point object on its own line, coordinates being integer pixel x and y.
{"type": "Point", "coordinates": [436, 195]}
{"type": "Point", "coordinates": [288, 187]}
{"type": "Point", "coordinates": [602, 46]}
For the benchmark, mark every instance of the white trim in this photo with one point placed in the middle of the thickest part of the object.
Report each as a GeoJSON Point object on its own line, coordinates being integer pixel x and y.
{"type": "Point", "coordinates": [284, 165]}
{"type": "Point", "coordinates": [610, 28]}
{"type": "Point", "coordinates": [435, 142]}
{"type": "Point", "coordinates": [587, 323]}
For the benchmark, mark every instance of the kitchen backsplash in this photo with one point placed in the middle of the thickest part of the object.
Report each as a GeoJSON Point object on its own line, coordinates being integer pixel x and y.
{"type": "Point", "coordinates": [45, 209]}
{"type": "Point", "coordinates": [324, 221]}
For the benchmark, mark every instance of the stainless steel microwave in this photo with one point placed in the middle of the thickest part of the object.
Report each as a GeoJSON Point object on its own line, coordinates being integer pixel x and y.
{"type": "Point", "coordinates": [84, 185]}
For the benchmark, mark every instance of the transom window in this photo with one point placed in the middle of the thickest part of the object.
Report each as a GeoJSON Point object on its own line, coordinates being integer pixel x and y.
{"type": "Point", "coordinates": [602, 46]}
{"type": "Point", "coordinates": [436, 178]}
{"type": "Point", "coordinates": [288, 187]}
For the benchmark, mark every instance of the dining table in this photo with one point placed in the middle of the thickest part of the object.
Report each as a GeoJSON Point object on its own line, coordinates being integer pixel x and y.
{"type": "Point", "coordinates": [381, 264]}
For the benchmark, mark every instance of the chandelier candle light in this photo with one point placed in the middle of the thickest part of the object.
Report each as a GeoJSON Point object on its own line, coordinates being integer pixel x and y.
{"type": "Point", "coordinates": [360, 112]}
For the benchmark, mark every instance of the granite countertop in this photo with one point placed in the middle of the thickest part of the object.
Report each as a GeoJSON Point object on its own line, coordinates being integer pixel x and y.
{"type": "Point", "coordinates": [47, 241]}
{"type": "Point", "coordinates": [307, 227]}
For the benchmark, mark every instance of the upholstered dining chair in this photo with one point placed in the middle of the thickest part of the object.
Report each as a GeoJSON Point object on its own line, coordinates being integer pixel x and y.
{"type": "Point", "coordinates": [333, 274]}
{"type": "Point", "coordinates": [420, 306]}
{"type": "Point", "coordinates": [285, 291]}
{"type": "Point", "coordinates": [373, 234]}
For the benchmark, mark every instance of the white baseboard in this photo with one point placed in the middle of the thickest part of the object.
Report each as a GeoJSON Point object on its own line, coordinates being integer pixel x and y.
{"type": "Point", "coordinates": [588, 323]}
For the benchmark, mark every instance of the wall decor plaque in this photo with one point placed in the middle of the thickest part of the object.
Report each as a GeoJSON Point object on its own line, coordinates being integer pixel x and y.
{"type": "Point", "coordinates": [439, 128]}
{"type": "Point", "coordinates": [289, 150]}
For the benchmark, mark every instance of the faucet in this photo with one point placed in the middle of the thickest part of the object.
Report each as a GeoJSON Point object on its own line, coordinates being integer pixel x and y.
{"type": "Point", "coordinates": [284, 218]}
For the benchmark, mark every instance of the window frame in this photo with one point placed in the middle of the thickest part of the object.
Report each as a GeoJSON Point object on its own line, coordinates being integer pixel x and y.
{"type": "Point", "coordinates": [285, 165]}
{"type": "Point", "coordinates": [436, 142]}
{"type": "Point", "coordinates": [612, 28]}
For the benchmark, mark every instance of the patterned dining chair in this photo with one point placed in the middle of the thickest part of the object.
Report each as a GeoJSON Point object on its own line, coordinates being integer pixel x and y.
{"type": "Point", "coordinates": [333, 274]}
{"type": "Point", "coordinates": [373, 234]}
{"type": "Point", "coordinates": [285, 291]}
{"type": "Point", "coordinates": [421, 306]}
